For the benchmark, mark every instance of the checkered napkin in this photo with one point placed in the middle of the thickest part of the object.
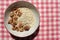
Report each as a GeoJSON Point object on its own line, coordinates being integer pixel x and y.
{"type": "Point", "coordinates": [49, 11]}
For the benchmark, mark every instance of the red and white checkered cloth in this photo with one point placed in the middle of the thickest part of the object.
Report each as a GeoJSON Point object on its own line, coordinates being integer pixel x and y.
{"type": "Point", "coordinates": [49, 19]}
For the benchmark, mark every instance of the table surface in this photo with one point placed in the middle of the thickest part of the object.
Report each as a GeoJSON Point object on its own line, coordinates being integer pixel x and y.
{"type": "Point", "coordinates": [49, 19]}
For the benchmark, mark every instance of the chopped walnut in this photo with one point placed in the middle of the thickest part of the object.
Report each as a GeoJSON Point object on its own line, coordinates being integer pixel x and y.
{"type": "Point", "coordinates": [10, 21]}
{"type": "Point", "coordinates": [21, 30]}
{"type": "Point", "coordinates": [19, 24]}
{"type": "Point", "coordinates": [17, 28]}
{"type": "Point", "coordinates": [13, 24]}
{"type": "Point", "coordinates": [11, 14]}
{"type": "Point", "coordinates": [19, 13]}
{"type": "Point", "coordinates": [13, 28]}
{"type": "Point", "coordinates": [15, 17]}
{"type": "Point", "coordinates": [26, 27]}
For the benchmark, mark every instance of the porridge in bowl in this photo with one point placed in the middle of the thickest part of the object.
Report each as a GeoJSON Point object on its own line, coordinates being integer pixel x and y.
{"type": "Point", "coordinates": [21, 19]}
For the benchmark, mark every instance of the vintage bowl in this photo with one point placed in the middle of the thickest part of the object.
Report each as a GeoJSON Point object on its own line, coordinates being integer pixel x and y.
{"type": "Point", "coordinates": [21, 4]}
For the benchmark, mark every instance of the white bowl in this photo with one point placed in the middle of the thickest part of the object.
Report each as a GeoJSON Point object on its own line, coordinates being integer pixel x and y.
{"type": "Point", "coordinates": [21, 4]}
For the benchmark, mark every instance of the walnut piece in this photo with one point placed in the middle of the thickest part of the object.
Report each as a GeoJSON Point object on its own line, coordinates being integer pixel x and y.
{"type": "Point", "coordinates": [19, 24]}
{"type": "Point", "coordinates": [19, 13]}
{"type": "Point", "coordinates": [15, 17]}
{"type": "Point", "coordinates": [26, 27]}
{"type": "Point", "coordinates": [10, 21]}
{"type": "Point", "coordinates": [11, 14]}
